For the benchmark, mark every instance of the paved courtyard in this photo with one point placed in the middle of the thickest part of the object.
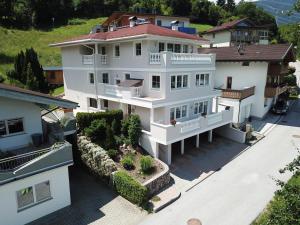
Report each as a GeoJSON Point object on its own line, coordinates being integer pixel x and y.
{"type": "Point", "coordinates": [198, 163]}
{"type": "Point", "coordinates": [93, 203]}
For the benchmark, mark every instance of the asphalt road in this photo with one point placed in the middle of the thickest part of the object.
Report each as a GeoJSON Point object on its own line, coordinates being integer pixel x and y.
{"type": "Point", "coordinates": [237, 193]}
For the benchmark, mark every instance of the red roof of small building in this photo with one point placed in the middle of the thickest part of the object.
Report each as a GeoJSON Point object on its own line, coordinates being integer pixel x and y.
{"type": "Point", "coordinates": [226, 26]}
{"type": "Point", "coordinates": [141, 29]}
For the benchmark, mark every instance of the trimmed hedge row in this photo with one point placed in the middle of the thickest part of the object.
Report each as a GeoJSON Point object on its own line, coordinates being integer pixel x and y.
{"type": "Point", "coordinates": [84, 120]}
{"type": "Point", "coordinates": [129, 188]}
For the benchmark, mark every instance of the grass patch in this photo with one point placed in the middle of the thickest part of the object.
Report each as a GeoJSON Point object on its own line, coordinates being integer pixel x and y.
{"type": "Point", "coordinates": [12, 41]}
{"type": "Point", "coordinates": [201, 27]}
{"type": "Point", "coordinates": [58, 91]}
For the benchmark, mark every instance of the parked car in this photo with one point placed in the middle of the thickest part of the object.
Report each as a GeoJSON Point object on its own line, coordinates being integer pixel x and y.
{"type": "Point", "coordinates": [280, 107]}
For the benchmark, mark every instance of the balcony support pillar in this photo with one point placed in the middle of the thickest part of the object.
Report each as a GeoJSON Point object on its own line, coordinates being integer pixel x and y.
{"type": "Point", "coordinates": [197, 140]}
{"type": "Point", "coordinates": [210, 136]}
{"type": "Point", "coordinates": [169, 158]}
{"type": "Point", "coordinates": [182, 147]}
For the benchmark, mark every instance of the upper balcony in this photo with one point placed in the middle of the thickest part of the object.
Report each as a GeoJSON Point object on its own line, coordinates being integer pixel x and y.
{"type": "Point", "coordinates": [119, 91]}
{"type": "Point", "coordinates": [166, 134]}
{"type": "Point", "coordinates": [272, 91]}
{"type": "Point", "coordinates": [89, 59]}
{"type": "Point", "coordinates": [238, 94]}
{"type": "Point", "coordinates": [166, 58]}
{"type": "Point", "coordinates": [26, 162]}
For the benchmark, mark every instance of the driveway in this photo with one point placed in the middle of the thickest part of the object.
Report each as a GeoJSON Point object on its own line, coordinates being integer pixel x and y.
{"type": "Point", "coordinates": [237, 193]}
{"type": "Point", "coordinates": [93, 203]}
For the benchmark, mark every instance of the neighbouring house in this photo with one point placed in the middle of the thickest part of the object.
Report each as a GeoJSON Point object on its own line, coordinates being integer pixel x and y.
{"type": "Point", "coordinates": [54, 75]}
{"type": "Point", "coordinates": [34, 178]}
{"type": "Point", "coordinates": [121, 19]}
{"type": "Point", "coordinates": [151, 71]}
{"type": "Point", "coordinates": [251, 77]}
{"type": "Point", "coordinates": [234, 33]}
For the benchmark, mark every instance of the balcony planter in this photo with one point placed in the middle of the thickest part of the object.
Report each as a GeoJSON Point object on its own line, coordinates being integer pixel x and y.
{"type": "Point", "coordinates": [173, 122]}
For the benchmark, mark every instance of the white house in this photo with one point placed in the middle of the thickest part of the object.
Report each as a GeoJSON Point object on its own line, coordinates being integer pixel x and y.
{"type": "Point", "coordinates": [234, 33]}
{"type": "Point", "coordinates": [33, 174]}
{"type": "Point", "coordinates": [151, 71]}
{"type": "Point", "coordinates": [251, 77]}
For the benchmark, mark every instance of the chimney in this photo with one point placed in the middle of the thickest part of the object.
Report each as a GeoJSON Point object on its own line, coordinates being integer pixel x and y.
{"type": "Point", "coordinates": [174, 25]}
{"type": "Point", "coordinates": [132, 21]}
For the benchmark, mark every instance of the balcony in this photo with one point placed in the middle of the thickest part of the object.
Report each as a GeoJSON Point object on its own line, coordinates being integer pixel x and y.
{"type": "Point", "coordinates": [35, 161]}
{"type": "Point", "coordinates": [238, 94]}
{"type": "Point", "coordinates": [272, 91]}
{"type": "Point", "coordinates": [119, 92]}
{"type": "Point", "coordinates": [166, 134]}
{"type": "Point", "coordinates": [165, 58]}
{"type": "Point", "coordinates": [89, 59]}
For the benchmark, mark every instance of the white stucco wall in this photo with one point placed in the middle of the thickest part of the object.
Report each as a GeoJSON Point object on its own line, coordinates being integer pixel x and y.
{"type": "Point", "coordinates": [31, 115]}
{"type": "Point", "coordinates": [222, 39]}
{"type": "Point", "coordinates": [245, 76]}
{"type": "Point", "coordinates": [60, 192]}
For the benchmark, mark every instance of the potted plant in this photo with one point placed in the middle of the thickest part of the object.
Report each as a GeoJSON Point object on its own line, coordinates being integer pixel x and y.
{"type": "Point", "coordinates": [173, 122]}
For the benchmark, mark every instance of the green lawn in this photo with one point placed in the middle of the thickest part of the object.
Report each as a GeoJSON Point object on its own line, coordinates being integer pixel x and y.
{"type": "Point", "coordinates": [12, 41]}
{"type": "Point", "coordinates": [58, 91]}
{"type": "Point", "coordinates": [201, 27]}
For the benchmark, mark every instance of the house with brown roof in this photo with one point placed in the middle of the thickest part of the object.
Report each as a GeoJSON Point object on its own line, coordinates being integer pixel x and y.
{"type": "Point", "coordinates": [34, 159]}
{"type": "Point", "coordinates": [251, 77]}
{"type": "Point", "coordinates": [234, 33]}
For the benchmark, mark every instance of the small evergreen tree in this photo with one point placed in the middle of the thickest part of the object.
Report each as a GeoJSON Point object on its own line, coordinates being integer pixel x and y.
{"type": "Point", "coordinates": [230, 6]}
{"type": "Point", "coordinates": [221, 3]}
{"type": "Point", "coordinates": [110, 141]}
{"type": "Point", "coordinates": [134, 130]}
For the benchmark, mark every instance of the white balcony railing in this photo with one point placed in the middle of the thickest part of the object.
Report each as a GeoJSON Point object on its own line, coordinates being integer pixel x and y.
{"type": "Point", "coordinates": [120, 92]}
{"type": "Point", "coordinates": [166, 134]}
{"type": "Point", "coordinates": [88, 59]}
{"type": "Point", "coordinates": [154, 58]}
{"type": "Point", "coordinates": [190, 58]}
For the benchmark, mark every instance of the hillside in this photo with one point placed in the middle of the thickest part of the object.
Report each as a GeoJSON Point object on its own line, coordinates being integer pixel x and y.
{"type": "Point", "coordinates": [280, 9]}
{"type": "Point", "coordinates": [13, 41]}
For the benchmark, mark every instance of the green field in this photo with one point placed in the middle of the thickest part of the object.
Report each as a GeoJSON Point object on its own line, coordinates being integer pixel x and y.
{"type": "Point", "coordinates": [201, 27]}
{"type": "Point", "coordinates": [13, 41]}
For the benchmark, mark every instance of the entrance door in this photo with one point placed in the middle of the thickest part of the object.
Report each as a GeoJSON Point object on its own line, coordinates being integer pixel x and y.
{"type": "Point", "coordinates": [229, 82]}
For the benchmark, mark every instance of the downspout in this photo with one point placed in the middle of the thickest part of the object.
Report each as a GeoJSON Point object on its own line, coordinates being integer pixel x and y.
{"type": "Point", "coordinates": [239, 111]}
{"type": "Point", "coordinates": [95, 73]}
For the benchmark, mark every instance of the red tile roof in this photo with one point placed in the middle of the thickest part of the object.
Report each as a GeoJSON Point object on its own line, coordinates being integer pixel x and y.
{"type": "Point", "coordinates": [141, 29]}
{"type": "Point", "coordinates": [225, 26]}
{"type": "Point", "coordinates": [278, 52]}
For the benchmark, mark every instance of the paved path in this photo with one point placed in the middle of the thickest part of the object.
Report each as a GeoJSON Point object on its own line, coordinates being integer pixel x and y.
{"type": "Point", "coordinates": [237, 193]}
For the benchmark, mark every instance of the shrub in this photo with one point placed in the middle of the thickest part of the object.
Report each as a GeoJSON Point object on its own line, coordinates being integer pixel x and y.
{"type": "Point", "coordinates": [146, 163]}
{"type": "Point", "coordinates": [110, 141]}
{"type": "Point", "coordinates": [127, 162]}
{"type": "Point", "coordinates": [125, 125]}
{"type": "Point", "coordinates": [84, 120]}
{"type": "Point", "coordinates": [129, 188]}
{"type": "Point", "coordinates": [1, 79]}
{"type": "Point", "coordinates": [97, 131]}
{"type": "Point", "coordinates": [112, 153]}
{"type": "Point", "coordinates": [115, 127]}
{"type": "Point", "coordinates": [134, 129]}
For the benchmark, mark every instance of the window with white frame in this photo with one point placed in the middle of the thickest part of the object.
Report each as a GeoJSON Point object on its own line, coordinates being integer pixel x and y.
{"type": "Point", "coordinates": [93, 103]}
{"type": "Point", "coordinates": [161, 46]}
{"type": "Point", "coordinates": [138, 49]}
{"type": "Point", "coordinates": [179, 81]}
{"type": "Point", "coordinates": [156, 82]}
{"type": "Point", "coordinates": [32, 195]}
{"type": "Point", "coordinates": [11, 127]}
{"type": "Point", "coordinates": [177, 48]}
{"type": "Point", "coordinates": [178, 112]}
{"type": "Point", "coordinates": [263, 35]}
{"type": "Point", "coordinates": [117, 51]}
{"type": "Point", "coordinates": [105, 78]}
{"type": "Point", "coordinates": [170, 47]}
{"type": "Point", "coordinates": [200, 107]}
{"type": "Point", "coordinates": [91, 78]}
{"type": "Point", "coordinates": [202, 79]}
{"type": "Point", "coordinates": [185, 48]}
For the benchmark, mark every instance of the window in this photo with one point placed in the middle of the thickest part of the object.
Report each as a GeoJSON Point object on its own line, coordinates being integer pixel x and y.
{"type": "Point", "coordinates": [178, 112]}
{"type": "Point", "coordinates": [170, 47]}
{"type": "Point", "coordinates": [91, 78]}
{"type": "Point", "coordinates": [263, 35]}
{"type": "Point", "coordinates": [105, 103]}
{"type": "Point", "coordinates": [177, 48]}
{"type": "Point", "coordinates": [245, 64]}
{"type": "Point", "coordinates": [28, 197]}
{"type": "Point", "coordinates": [117, 51]}
{"type": "Point", "coordinates": [179, 81]}
{"type": "Point", "coordinates": [103, 50]}
{"type": "Point", "coordinates": [185, 48]}
{"type": "Point", "coordinates": [200, 108]}
{"type": "Point", "coordinates": [11, 126]}
{"type": "Point", "coordinates": [105, 78]}
{"type": "Point", "coordinates": [161, 46]}
{"type": "Point", "coordinates": [156, 82]}
{"type": "Point", "coordinates": [138, 49]}
{"type": "Point", "coordinates": [202, 79]}
{"type": "Point", "coordinates": [127, 76]}
{"type": "Point", "coordinates": [158, 22]}
{"type": "Point", "coordinates": [93, 103]}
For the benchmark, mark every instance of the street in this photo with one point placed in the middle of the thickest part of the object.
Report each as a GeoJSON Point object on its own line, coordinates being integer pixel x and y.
{"type": "Point", "coordinates": [237, 193]}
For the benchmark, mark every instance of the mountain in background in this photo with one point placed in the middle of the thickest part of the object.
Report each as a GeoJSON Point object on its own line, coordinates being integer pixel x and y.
{"type": "Point", "coordinates": [279, 9]}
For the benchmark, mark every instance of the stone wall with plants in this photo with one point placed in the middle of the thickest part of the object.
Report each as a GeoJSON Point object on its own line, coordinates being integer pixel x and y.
{"type": "Point", "coordinates": [95, 158]}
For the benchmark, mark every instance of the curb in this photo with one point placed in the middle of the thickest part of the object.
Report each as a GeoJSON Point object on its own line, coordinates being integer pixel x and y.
{"type": "Point", "coordinates": [155, 210]}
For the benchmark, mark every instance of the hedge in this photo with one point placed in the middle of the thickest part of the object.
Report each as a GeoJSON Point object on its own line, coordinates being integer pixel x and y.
{"type": "Point", "coordinates": [84, 119]}
{"type": "Point", "coordinates": [129, 188]}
